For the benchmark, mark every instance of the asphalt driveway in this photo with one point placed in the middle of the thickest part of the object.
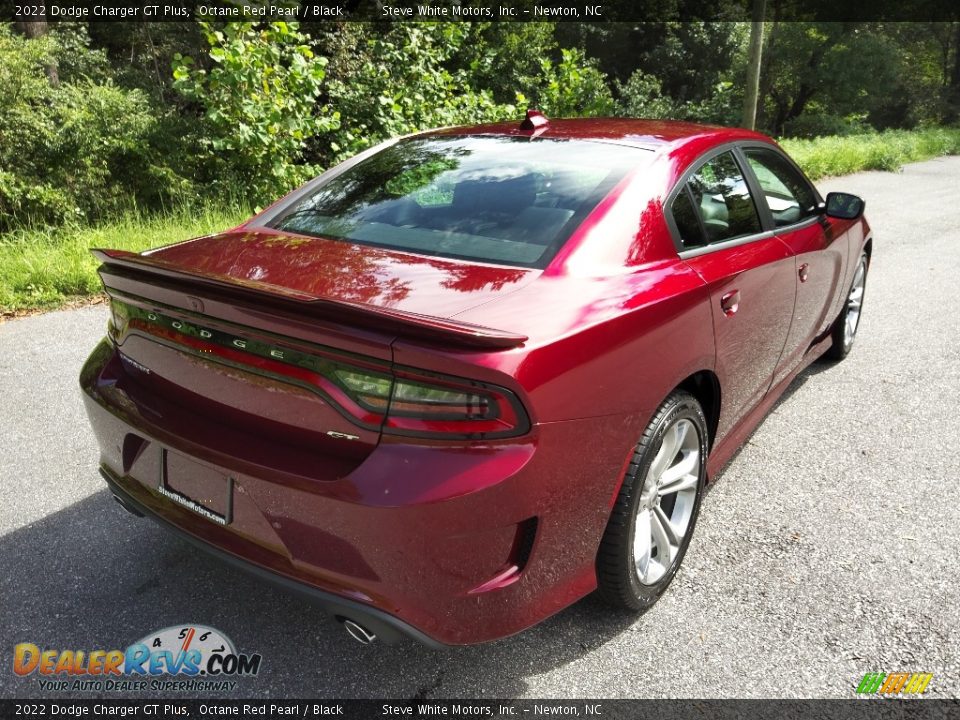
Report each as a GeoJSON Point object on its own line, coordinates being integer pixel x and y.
{"type": "Point", "coordinates": [828, 548]}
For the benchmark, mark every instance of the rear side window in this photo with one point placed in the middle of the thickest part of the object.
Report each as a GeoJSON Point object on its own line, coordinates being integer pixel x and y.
{"type": "Point", "coordinates": [719, 195]}
{"type": "Point", "coordinates": [789, 196]}
{"type": "Point", "coordinates": [505, 200]}
{"type": "Point", "coordinates": [687, 220]}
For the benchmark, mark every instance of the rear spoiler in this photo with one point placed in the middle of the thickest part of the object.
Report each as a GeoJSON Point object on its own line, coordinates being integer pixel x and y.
{"type": "Point", "coordinates": [397, 321]}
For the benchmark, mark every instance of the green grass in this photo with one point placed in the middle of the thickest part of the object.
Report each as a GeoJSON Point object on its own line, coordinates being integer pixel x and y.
{"type": "Point", "coordinates": [831, 156]}
{"type": "Point", "coordinates": [45, 268]}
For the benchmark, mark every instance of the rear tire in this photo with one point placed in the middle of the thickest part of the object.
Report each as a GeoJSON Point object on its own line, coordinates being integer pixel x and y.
{"type": "Point", "coordinates": [845, 327]}
{"type": "Point", "coordinates": [656, 509]}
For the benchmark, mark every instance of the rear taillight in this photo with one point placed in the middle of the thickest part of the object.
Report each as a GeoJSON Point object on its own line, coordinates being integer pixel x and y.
{"type": "Point", "coordinates": [399, 401]}
{"type": "Point", "coordinates": [436, 406]}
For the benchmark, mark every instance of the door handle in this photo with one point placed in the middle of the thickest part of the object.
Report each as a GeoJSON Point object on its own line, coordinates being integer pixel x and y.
{"type": "Point", "coordinates": [730, 303]}
{"type": "Point", "coordinates": [804, 272]}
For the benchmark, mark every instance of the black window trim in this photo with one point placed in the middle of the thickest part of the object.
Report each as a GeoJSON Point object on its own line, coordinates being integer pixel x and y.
{"type": "Point", "coordinates": [685, 190]}
{"type": "Point", "coordinates": [762, 210]}
{"type": "Point", "coordinates": [768, 228]}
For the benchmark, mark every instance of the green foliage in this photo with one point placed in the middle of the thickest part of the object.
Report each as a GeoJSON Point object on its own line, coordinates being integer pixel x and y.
{"type": "Point", "coordinates": [258, 98]}
{"type": "Point", "coordinates": [818, 121]}
{"type": "Point", "coordinates": [693, 59]}
{"type": "Point", "coordinates": [46, 267]}
{"type": "Point", "coordinates": [252, 109]}
{"type": "Point", "coordinates": [25, 95]}
{"type": "Point", "coordinates": [73, 152]}
{"type": "Point", "coordinates": [642, 96]}
{"type": "Point", "coordinates": [667, 69]}
{"type": "Point", "coordinates": [829, 156]}
{"type": "Point", "coordinates": [505, 57]}
{"type": "Point", "coordinates": [399, 82]}
{"type": "Point", "coordinates": [76, 59]}
{"type": "Point", "coordinates": [834, 73]}
{"type": "Point", "coordinates": [922, 81]}
{"type": "Point", "coordinates": [572, 87]}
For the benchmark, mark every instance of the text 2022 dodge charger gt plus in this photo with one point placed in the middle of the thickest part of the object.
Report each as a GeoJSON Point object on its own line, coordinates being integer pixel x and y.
{"type": "Point", "coordinates": [462, 380]}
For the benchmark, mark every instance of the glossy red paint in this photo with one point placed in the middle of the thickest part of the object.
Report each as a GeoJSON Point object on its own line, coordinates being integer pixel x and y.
{"type": "Point", "coordinates": [749, 341]}
{"type": "Point", "coordinates": [320, 268]}
{"type": "Point", "coordinates": [457, 540]}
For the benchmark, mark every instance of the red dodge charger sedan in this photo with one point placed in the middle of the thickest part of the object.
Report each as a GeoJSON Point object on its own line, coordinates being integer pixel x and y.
{"type": "Point", "coordinates": [469, 376]}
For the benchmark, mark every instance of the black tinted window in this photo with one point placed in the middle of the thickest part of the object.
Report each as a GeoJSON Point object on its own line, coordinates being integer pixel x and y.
{"type": "Point", "coordinates": [688, 224]}
{"type": "Point", "coordinates": [789, 196]}
{"type": "Point", "coordinates": [721, 196]}
{"type": "Point", "coordinates": [506, 200]}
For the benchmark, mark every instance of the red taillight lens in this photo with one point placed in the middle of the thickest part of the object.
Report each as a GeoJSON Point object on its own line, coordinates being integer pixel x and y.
{"type": "Point", "coordinates": [398, 401]}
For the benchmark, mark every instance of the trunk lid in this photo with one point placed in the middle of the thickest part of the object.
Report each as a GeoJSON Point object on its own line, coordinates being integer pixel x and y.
{"type": "Point", "coordinates": [249, 334]}
{"type": "Point", "coordinates": [342, 271]}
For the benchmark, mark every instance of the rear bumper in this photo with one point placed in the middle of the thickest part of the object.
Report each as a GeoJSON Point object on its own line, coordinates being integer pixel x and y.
{"type": "Point", "coordinates": [450, 545]}
{"type": "Point", "coordinates": [386, 627]}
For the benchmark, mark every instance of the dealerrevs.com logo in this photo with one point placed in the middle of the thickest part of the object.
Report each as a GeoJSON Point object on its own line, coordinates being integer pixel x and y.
{"type": "Point", "coordinates": [181, 658]}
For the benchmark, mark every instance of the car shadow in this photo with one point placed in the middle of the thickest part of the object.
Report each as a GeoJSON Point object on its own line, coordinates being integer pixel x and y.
{"type": "Point", "coordinates": [92, 576]}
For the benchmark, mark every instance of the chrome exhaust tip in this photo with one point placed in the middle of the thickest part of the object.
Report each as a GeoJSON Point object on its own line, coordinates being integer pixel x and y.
{"type": "Point", "coordinates": [358, 632]}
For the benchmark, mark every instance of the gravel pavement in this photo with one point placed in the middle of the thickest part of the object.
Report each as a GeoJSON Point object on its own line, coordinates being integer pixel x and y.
{"type": "Point", "coordinates": [828, 548]}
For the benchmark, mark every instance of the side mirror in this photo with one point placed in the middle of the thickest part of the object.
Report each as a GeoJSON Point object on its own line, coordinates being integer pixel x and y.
{"type": "Point", "coordinates": [844, 206]}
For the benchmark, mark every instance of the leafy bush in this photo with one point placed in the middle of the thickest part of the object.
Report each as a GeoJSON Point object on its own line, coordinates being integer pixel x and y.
{"type": "Point", "coordinates": [252, 109]}
{"type": "Point", "coordinates": [642, 97]}
{"type": "Point", "coordinates": [398, 82]}
{"type": "Point", "coordinates": [817, 122]}
{"type": "Point", "coordinates": [574, 86]}
{"type": "Point", "coordinates": [25, 126]}
{"type": "Point", "coordinates": [505, 57]}
{"type": "Point", "coordinates": [76, 59]}
{"type": "Point", "coordinates": [76, 151]}
{"type": "Point", "coordinates": [258, 100]}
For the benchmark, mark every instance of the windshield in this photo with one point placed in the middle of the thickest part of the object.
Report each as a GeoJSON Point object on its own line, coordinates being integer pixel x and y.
{"type": "Point", "coordinates": [511, 201]}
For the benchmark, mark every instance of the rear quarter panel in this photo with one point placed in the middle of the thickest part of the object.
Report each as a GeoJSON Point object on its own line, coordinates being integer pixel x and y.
{"type": "Point", "coordinates": [603, 353]}
{"type": "Point", "coordinates": [598, 346]}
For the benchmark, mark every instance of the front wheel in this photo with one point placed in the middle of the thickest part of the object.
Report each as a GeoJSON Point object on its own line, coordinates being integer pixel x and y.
{"type": "Point", "coordinates": [846, 325]}
{"type": "Point", "coordinates": [655, 512]}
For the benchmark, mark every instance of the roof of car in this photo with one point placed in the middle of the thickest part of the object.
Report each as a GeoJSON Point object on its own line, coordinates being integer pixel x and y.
{"type": "Point", "coordinates": [647, 134]}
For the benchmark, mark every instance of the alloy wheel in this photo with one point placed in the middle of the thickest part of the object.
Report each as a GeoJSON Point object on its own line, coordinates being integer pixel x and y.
{"type": "Point", "coordinates": [854, 303]}
{"type": "Point", "coordinates": [667, 501]}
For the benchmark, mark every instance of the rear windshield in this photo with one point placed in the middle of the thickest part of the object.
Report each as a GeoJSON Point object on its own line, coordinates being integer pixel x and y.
{"type": "Point", "coordinates": [510, 201]}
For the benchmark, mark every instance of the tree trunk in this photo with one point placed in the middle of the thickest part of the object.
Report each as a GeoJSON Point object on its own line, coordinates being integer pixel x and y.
{"type": "Point", "coordinates": [755, 55]}
{"type": "Point", "coordinates": [32, 28]}
{"type": "Point", "coordinates": [38, 28]}
{"type": "Point", "coordinates": [780, 116]}
{"type": "Point", "coordinates": [766, 72]}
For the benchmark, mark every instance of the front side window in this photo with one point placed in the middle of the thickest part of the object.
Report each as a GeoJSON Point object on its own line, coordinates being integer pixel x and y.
{"type": "Point", "coordinates": [717, 192]}
{"type": "Point", "coordinates": [789, 196]}
{"type": "Point", "coordinates": [505, 200]}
